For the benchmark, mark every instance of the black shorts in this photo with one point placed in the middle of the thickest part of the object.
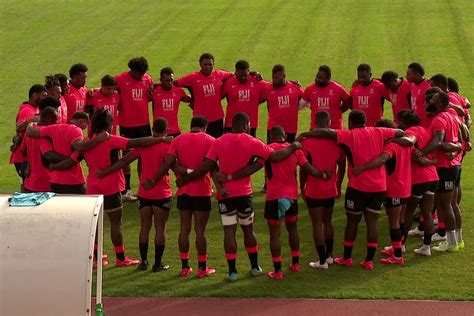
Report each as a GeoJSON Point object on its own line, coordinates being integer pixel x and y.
{"type": "Point", "coordinates": [135, 131]}
{"type": "Point", "coordinates": [112, 202]}
{"type": "Point", "coordinates": [20, 168]}
{"type": "Point", "coordinates": [68, 188]}
{"type": "Point", "coordinates": [420, 189]}
{"type": "Point", "coordinates": [448, 178]}
{"type": "Point", "coordinates": [458, 181]}
{"type": "Point", "coordinates": [290, 137]}
{"type": "Point", "coordinates": [315, 203]}
{"type": "Point", "coordinates": [239, 204]}
{"type": "Point", "coordinates": [194, 203]}
{"type": "Point", "coordinates": [215, 128]}
{"type": "Point", "coordinates": [271, 209]}
{"type": "Point", "coordinates": [164, 204]}
{"type": "Point", "coordinates": [389, 202]}
{"type": "Point", "coordinates": [253, 131]}
{"type": "Point", "coordinates": [358, 202]}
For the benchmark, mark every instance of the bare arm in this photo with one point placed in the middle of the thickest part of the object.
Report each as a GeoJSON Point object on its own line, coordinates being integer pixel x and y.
{"type": "Point", "coordinates": [21, 127]}
{"type": "Point", "coordinates": [450, 147]}
{"type": "Point", "coordinates": [147, 141]}
{"type": "Point", "coordinates": [32, 131]}
{"type": "Point", "coordinates": [85, 145]}
{"type": "Point", "coordinates": [302, 104]}
{"type": "Point", "coordinates": [407, 141]}
{"type": "Point", "coordinates": [245, 172]}
{"type": "Point", "coordinates": [374, 163]}
{"type": "Point", "coordinates": [65, 164]}
{"type": "Point", "coordinates": [200, 171]}
{"type": "Point", "coordinates": [319, 133]}
{"type": "Point", "coordinates": [435, 143]}
{"type": "Point", "coordinates": [119, 164]}
{"type": "Point", "coordinates": [459, 110]}
{"type": "Point", "coordinates": [169, 162]}
{"type": "Point", "coordinates": [54, 157]}
{"type": "Point", "coordinates": [284, 153]}
{"type": "Point", "coordinates": [425, 162]}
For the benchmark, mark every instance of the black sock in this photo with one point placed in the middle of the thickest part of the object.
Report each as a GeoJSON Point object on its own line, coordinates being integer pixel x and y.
{"type": "Point", "coordinates": [347, 252]}
{"type": "Point", "coordinates": [321, 253]}
{"type": "Point", "coordinates": [396, 236]}
{"type": "Point", "coordinates": [120, 255]}
{"type": "Point", "coordinates": [231, 263]}
{"type": "Point", "coordinates": [127, 181]}
{"type": "Point", "coordinates": [404, 231]}
{"type": "Point", "coordinates": [427, 239]}
{"type": "Point", "coordinates": [253, 260]}
{"type": "Point", "coordinates": [442, 232]}
{"type": "Point", "coordinates": [184, 264]}
{"type": "Point", "coordinates": [143, 251]}
{"type": "Point", "coordinates": [277, 266]}
{"type": "Point", "coordinates": [329, 247]}
{"type": "Point", "coordinates": [421, 226]}
{"type": "Point", "coordinates": [202, 265]}
{"type": "Point", "coordinates": [295, 259]}
{"type": "Point", "coordinates": [370, 253]}
{"type": "Point", "coordinates": [159, 249]}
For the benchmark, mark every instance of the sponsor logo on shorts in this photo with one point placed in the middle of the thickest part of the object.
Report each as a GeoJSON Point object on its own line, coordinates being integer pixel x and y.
{"type": "Point", "coordinates": [395, 201]}
{"type": "Point", "coordinates": [248, 210]}
{"type": "Point", "coordinates": [167, 204]}
{"type": "Point", "coordinates": [449, 185]}
{"type": "Point", "coordinates": [222, 208]}
{"type": "Point", "coordinates": [350, 204]}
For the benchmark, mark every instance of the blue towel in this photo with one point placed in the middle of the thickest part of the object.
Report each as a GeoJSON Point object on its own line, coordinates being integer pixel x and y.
{"type": "Point", "coordinates": [30, 199]}
{"type": "Point", "coordinates": [284, 205]}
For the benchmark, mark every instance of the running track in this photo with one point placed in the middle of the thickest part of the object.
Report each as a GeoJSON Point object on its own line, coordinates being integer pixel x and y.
{"type": "Point", "coordinates": [276, 307]}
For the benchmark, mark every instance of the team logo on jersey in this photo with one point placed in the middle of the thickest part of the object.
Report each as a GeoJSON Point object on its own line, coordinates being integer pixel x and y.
{"type": "Point", "coordinates": [290, 90]}
{"type": "Point", "coordinates": [330, 92]}
{"type": "Point", "coordinates": [371, 91]}
{"type": "Point", "coordinates": [252, 85]}
{"type": "Point", "coordinates": [284, 101]}
{"type": "Point", "coordinates": [449, 185]}
{"type": "Point", "coordinates": [209, 90]}
{"type": "Point", "coordinates": [350, 204]}
{"type": "Point", "coordinates": [174, 95]}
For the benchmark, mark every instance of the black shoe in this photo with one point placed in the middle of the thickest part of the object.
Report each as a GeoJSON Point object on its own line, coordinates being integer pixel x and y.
{"type": "Point", "coordinates": [160, 267]}
{"type": "Point", "coordinates": [143, 266]}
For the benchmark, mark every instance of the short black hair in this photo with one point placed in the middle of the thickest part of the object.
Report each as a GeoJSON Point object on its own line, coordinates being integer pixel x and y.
{"type": "Point", "coordinates": [108, 80]}
{"type": "Point", "coordinates": [160, 125]}
{"type": "Point", "coordinates": [48, 113]}
{"type": "Point", "coordinates": [199, 121]}
{"type": "Point", "coordinates": [76, 69]}
{"type": "Point", "coordinates": [62, 78]}
{"type": "Point", "coordinates": [138, 64]}
{"type": "Point", "coordinates": [36, 88]}
{"type": "Point", "coordinates": [84, 115]}
{"type": "Point", "coordinates": [357, 117]}
{"type": "Point", "coordinates": [364, 67]}
{"type": "Point", "coordinates": [166, 71]}
{"type": "Point", "coordinates": [102, 120]}
{"type": "Point", "coordinates": [408, 117]}
{"type": "Point", "coordinates": [49, 101]}
{"type": "Point", "coordinates": [278, 68]}
{"type": "Point", "coordinates": [51, 81]}
{"type": "Point", "coordinates": [453, 85]}
{"type": "Point", "coordinates": [322, 117]}
{"type": "Point", "coordinates": [388, 77]}
{"type": "Point", "coordinates": [242, 65]}
{"type": "Point", "coordinates": [326, 70]}
{"type": "Point", "coordinates": [444, 98]}
{"type": "Point", "coordinates": [277, 131]}
{"type": "Point", "coordinates": [432, 90]}
{"type": "Point", "coordinates": [417, 67]}
{"type": "Point", "coordinates": [439, 80]}
{"type": "Point", "coordinates": [240, 120]}
{"type": "Point", "coordinates": [385, 123]}
{"type": "Point", "coordinates": [206, 56]}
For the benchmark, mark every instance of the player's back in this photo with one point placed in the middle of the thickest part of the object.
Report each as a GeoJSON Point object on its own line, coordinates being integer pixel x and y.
{"type": "Point", "coordinates": [398, 169]}
{"type": "Point", "coordinates": [421, 174]}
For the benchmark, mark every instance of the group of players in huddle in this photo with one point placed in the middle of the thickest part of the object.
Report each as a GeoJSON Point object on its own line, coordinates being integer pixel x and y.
{"type": "Point", "coordinates": [414, 160]}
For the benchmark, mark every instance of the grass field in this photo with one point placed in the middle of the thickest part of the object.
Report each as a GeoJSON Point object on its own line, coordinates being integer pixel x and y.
{"type": "Point", "coordinates": [42, 37]}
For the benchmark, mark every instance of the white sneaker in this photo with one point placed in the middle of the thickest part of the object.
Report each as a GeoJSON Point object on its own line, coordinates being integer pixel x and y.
{"type": "Point", "coordinates": [444, 246]}
{"type": "Point", "coordinates": [128, 197]}
{"type": "Point", "coordinates": [416, 232]}
{"type": "Point", "coordinates": [319, 266]}
{"type": "Point", "coordinates": [437, 237]}
{"type": "Point", "coordinates": [424, 251]}
{"type": "Point", "coordinates": [330, 260]}
{"type": "Point", "coordinates": [435, 221]}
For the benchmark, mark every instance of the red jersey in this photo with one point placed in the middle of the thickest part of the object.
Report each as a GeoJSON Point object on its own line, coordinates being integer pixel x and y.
{"type": "Point", "coordinates": [328, 99]}
{"type": "Point", "coordinates": [281, 176]}
{"type": "Point", "coordinates": [282, 103]}
{"type": "Point", "coordinates": [401, 98]}
{"type": "Point", "coordinates": [111, 103]}
{"type": "Point", "coordinates": [206, 92]}
{"type": "Point", "coordinates": [190, 150]}
{"type": "Point", "coordinates": [38, 176]}
{"type": "Point", "coordinates": [133, 108]}
{"type": "Point", "coordinates": [234, 151]}
{"type": "Point", "coordinates": [398, 169]}
{"type": "Point", "coordinates": [62, 137]}
{"type": "Point", "coordinates": [449, 124]}
{"type": "Point", "coordinates": [25, 112]}
{"type": "Point", "coordinates": [363, 145]}
{"type": "Point", "coordinates": [166, 104]}
{"type": "Point", "coordinates": [418, 103]}
{"type": "Point", "coordinates": [243, 97]}
{"type": "Point", "coordinates": [369, 99]}
{"type": "Point", "coordinates": [75, 100]}
{"type": "Point", "coordinates": [420, 174]}
{"type": "Point", "coordinates": [323, 154]}
{"type": "Point", "coordinates": [152, 158]}
{"type": "Point", "coordinates": [62, 111]}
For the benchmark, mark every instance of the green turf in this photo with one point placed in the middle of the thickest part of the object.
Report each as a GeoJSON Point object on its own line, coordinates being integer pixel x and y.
{"type": "Point", "coordinates": [41, 37]}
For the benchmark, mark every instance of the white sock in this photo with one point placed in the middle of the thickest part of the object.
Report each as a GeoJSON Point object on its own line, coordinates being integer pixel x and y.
{"type": "Point", "coordinates": [451, 236]}
{"type": "Point", "coordinates": [459, 235]}
{"type": "Point", "coordinates": [425, 247]}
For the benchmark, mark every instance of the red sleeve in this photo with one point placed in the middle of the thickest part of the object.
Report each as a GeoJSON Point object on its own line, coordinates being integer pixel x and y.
{"type": "Point", "coordinates": [172, 149]}
{"type": "Point", "coordinates": [225, 89]}
{"type": "Point", "coordinates": [389, 149]}
{"type": "Point", "coordinates": [300, 92]}
{"type": "Point", "coordinates": [351, 92]}
{"type": "Point", "coordinates": [306, 94]}
{"type": "Point", "coordinates": [45, 145]}
{"type": "Point", "coordinates": [24, 114]}
{"type": "Point", "coordinates": [118, 81]}
{"type": "Point", "coordinates": [260, 149]}
{"type": "Point", "coordinates": [344, 136]}
{"type": "Point", "coordinates": [118, 142]}
{"type": "Point", "coordinates": [75, 135]}
{"type": "Point", "coordinates": [224, 74]}
{"type": "Point", "coordinates": [186, 81]}
{"type": "Point", "coordinates": [388, 133]}
{"type": "Point", "coordinates": [212, 153]}
{"type": "Point", "coordinates": [437, 125]}
{"type": "Point", "coordinates": [301, 157]}
{"type": "Point", "coordinates": [182, 94]}
{"type": "Point", "coordinates": [47, 130]}
{"type": "Point", "coordinates": [343, 93]}
{"type": "Point", "coordinates": [76, 156]}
